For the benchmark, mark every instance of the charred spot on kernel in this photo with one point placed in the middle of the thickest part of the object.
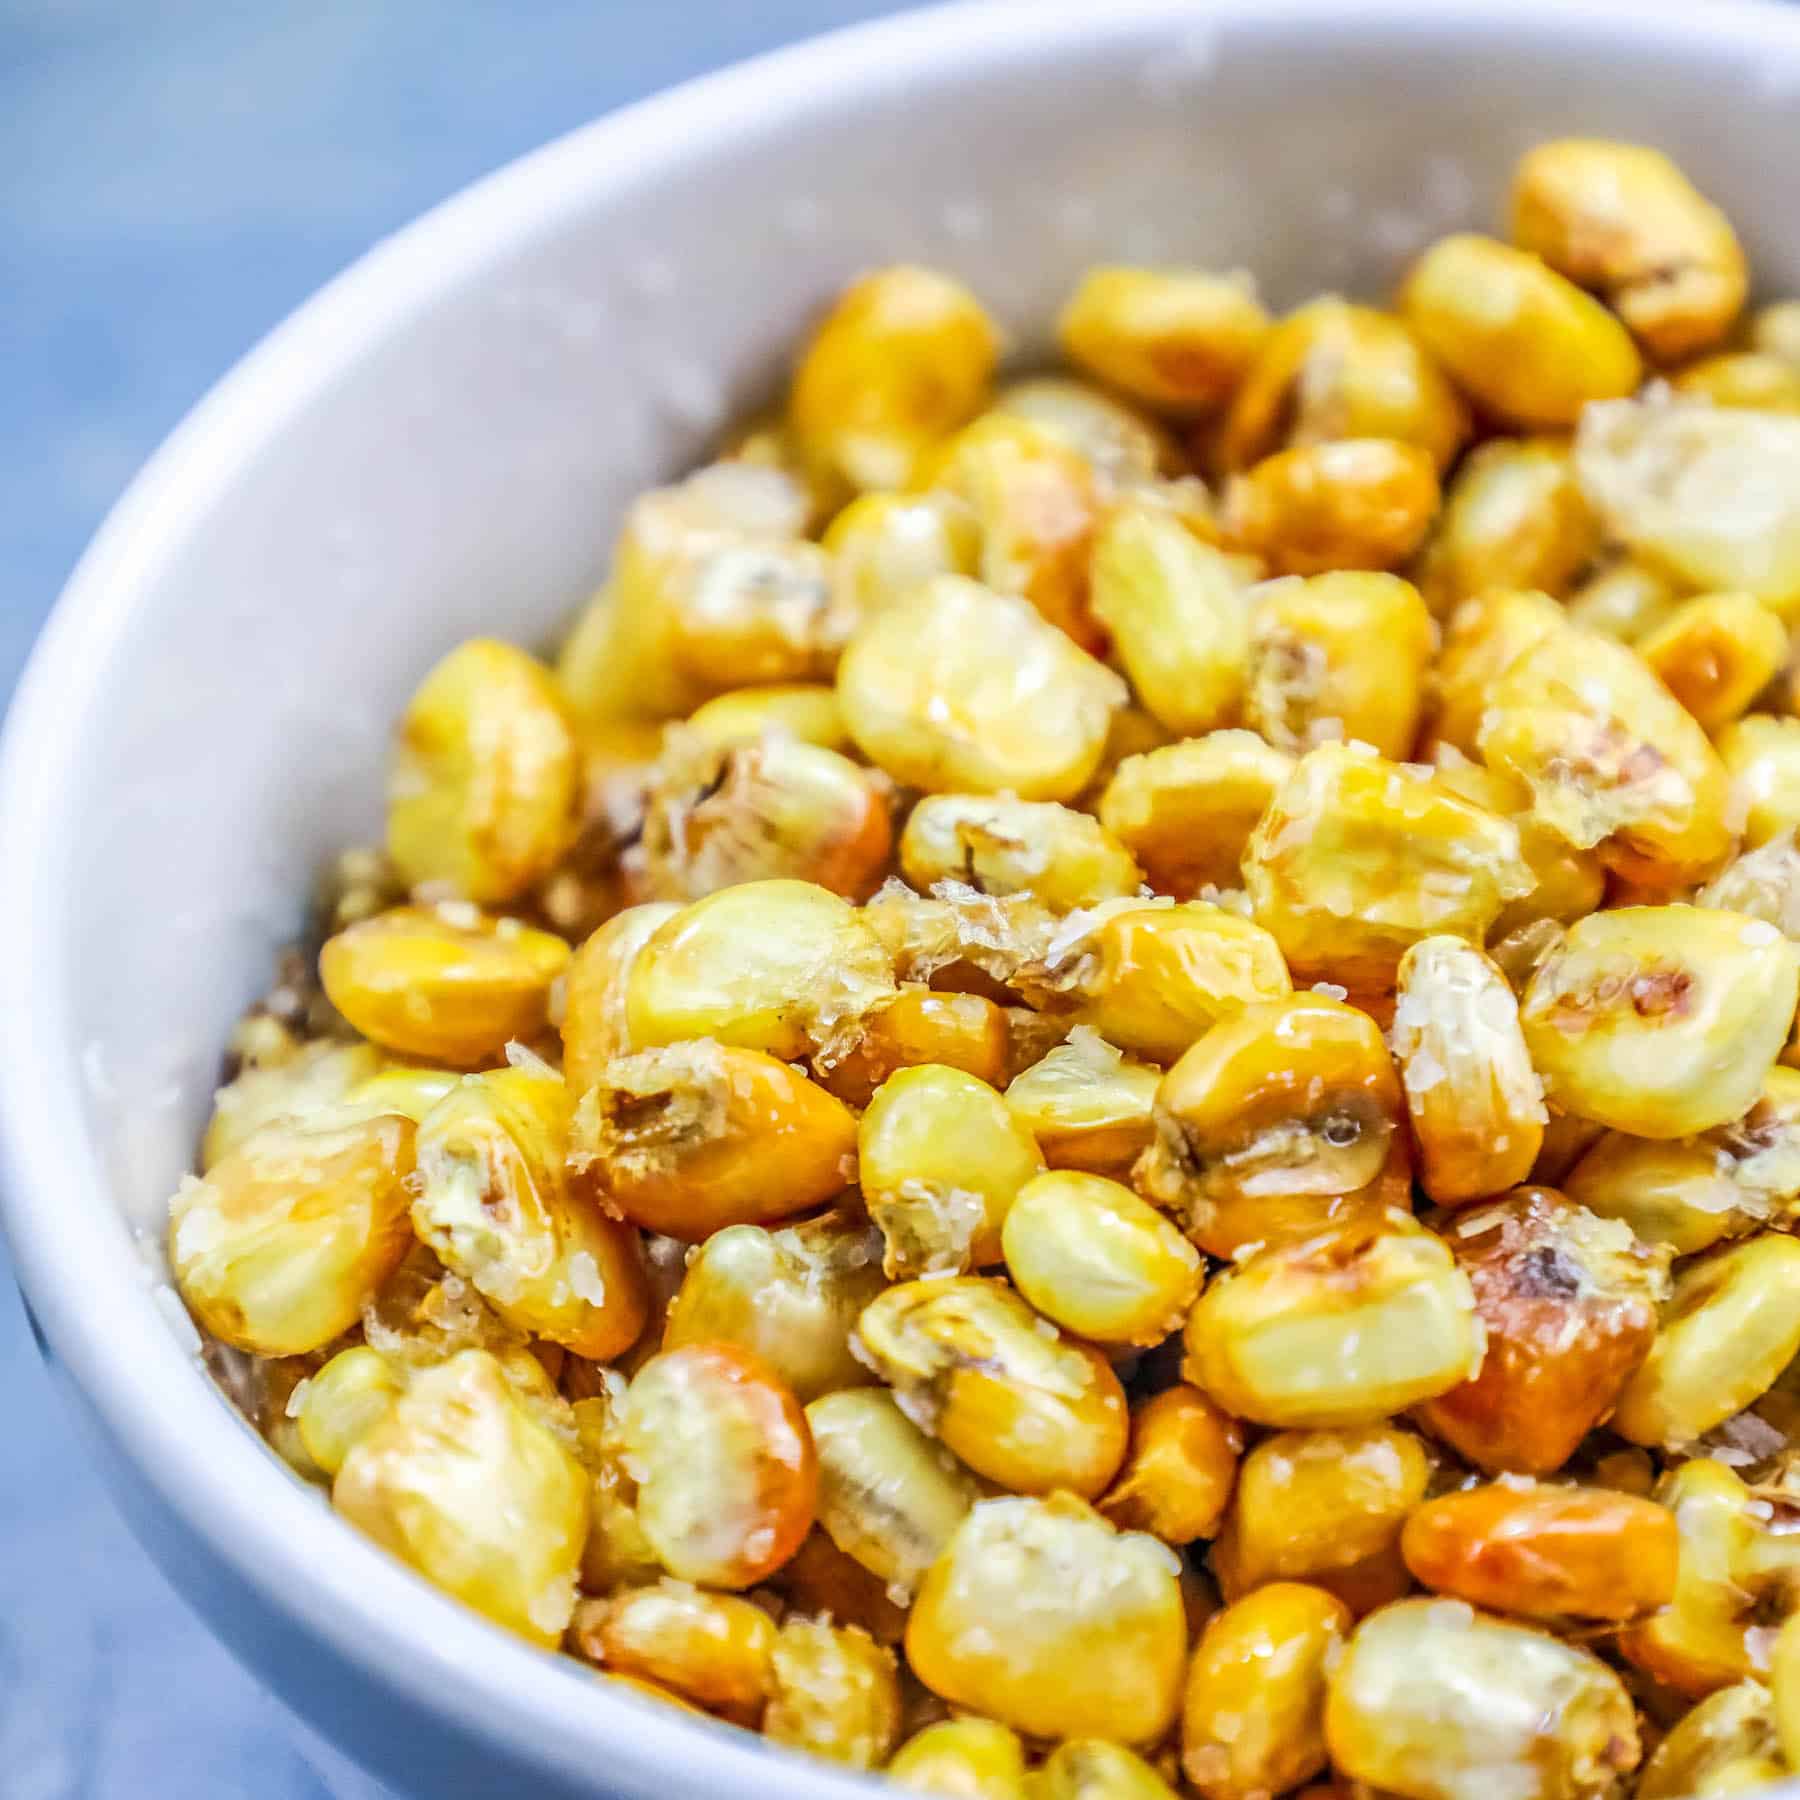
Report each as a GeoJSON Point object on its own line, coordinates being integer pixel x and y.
{"type": "Point", "coordinates": [1545, 1272]}
{"type": "Point", "coordinates": [1659, 992]}
{"type": "Point", "coordinates": [638, 1112]}
{"type": "Point", "coordinates": [1340, 1130]}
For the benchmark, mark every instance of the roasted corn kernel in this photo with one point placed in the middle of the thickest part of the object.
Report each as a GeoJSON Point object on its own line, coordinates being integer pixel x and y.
{"type": "Point", "coordinates": [1095, 1768]}
{"type": "Point", "coordinates": [1752, 378]}
{"type": "Point", "coordinates": [1715, 654]}
{"type": "Point", "coordinates": [1625, 598]}
{"type": "Point", "coordinates": [1087, 1104]}
{"type": "Point", "coordinates": [833, 1693]}
{"type": "Point", "coordinates": [1763, 883]}
{"type": "Point", "coordinates": [1726, 1745]}
{"type": "Point", "coordinates": [1762, 758]}
{"type": "Point", "coordinates": [1066, 858]}
{"type": "Point", "coordinates": [962, 1031]}
{"type": "Point", "coordinates": [1487, 635]}
{"type": "Point", "coordinates": [820, 1581]}
{"type": "Point", "coordinates": [343, 1400]}
{"type": "Point", "coordinates": [962, 941]}
{"type": "Point", "coordinates": [1122, 445]}
{"type": "Point", "coordinates": [712, 1649]}
{"type": "Point", "coordinates": [403, 1088]}
{"type": "Point", "coordinates": [595, 1027]}
{"type": "Point", "coordinates": [807, 712]}
{"type": "Point", "coordinates": [1179, 1470]}
{"type": "Point", "coordinates": [968, 1758]}
{"type": "Point", "coordinates": [1357, 503]}
{"type": "Point", "coordinates": [314, 1080]}
{"type": "Point", "coordinates": [884, 545]}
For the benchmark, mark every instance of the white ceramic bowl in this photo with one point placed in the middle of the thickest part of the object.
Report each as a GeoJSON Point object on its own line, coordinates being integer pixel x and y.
{"type": "Point", "coordinates": [440, 444]}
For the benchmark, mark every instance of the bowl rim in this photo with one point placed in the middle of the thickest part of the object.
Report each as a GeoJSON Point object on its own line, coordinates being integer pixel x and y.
{"type": "Point", "coordinates": [87, 1289]}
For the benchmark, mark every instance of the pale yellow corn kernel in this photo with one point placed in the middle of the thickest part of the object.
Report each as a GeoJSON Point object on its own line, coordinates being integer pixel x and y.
{"type": "Point", "coordinates": [1613, 760]}
{"type": "Point", "coordinates": [446, 983]}
{"type": "Point", "coordinates": [1715, 654]}
{"type": "Point", "coordinates": [805, 711]}
{"type": "Point", "coordinates": [1095, 1768]}
{"type": "Point", "coordinates": [1728, 1744]}
{"type": "Point", "coordinates": [1476, 1104]}
{"type": "Point", "coordinates": [1434, 1700]}
{"type": "Point", "coordinates": [1067, 859]}
{"type": "Point", "coordinates": [1342, 1328]}
{"type": "Point", "coordinates": [459, 1481]}
{"type": "Point", "coordinates": [834, 1693]}
{"type": "Point", "coordinates": [1711, 494]}
{"type": "Point", "coordinates": [595, 1027]}
{"type": "Point", "coordinates": [785, 967]}
{"type": "Point", "coordinates": [889, 1496]}
{"type": "Point", "coordinates": [1332, 371]}
{"type": "Point", "coordinates": [1625, 599]}
{"type": "Point", "coordinates": [1179, 1470]}
{"type": "Point", "coordinates": [766, 440]}
{"type": "Point", "coordinates": [316, 1079]}
{"type": "Point", "coordinates": [968, 1759]}
{"type": "Point", "coordinates": [757, 612]}
{"type": "Point", "coordinates": [1761, 755]}
{"type": "Point", "coordinates": [950, 693]}
{"type": "Point", "coordinates": [617, 1555]}
{"type": "Point", "coordinates": [1342, 656]}
{"type": "Point", "coordinates": [1253, 1723]}
{"type": "Point", "coordinates": [1179, 615]}
{"type": "Point", "coordinates": [1728, 1331]}
{"type": "Point", "coordinates": [484, 785]}
{"type": "Point", "coordinates": [279, 1245]}
{"type": "Point", "coordinates": [1784, 1682]}
{"type": "Point", "coordinates": [1486, 636]}
{"type": "Point", "coordinates": [1750, 378]}
{"type": "Point", "coordinates": [884, 546]}
{"type": "Point", "coordinates": [1122, 445]}
{"type": "Point", "coordinates": [964, 1031]}
{"type": "Point", "coordinates": [1625, 222]}
{"type": "Point", "coordinates": [1003, 1388]}
{"type": "Point", "coordinates": [1092, 1256]}
{"type": "Point", "coordinates": [1528, 346]}
{"type": "Point", "coordinates": [963, 941]}
{"type": "Point", "coordinates": [1358, 503]}
{"type": "Point", "coordinates": [1087, 1104]}
{"type": "Point", "coordinates": [1775, 330]}
{"type": "Point", "coordinates": [343, 1400]}
{"type": "Point", "coordinates": [711, 1649]}
{"type": "Point", "coordinates": [1357, 859]}
{"type": "Point", "coordinates": [1179, 340]}
{"type": "Point", "coordinates": [1660, 1021]}
{"type": "Point", "coordinates": [1185, 811]}
{"type": "Point", "coordinates": [902, 359]}
{"type": "Point", "coordinates": [410, 1091]}
{"type": "Point", "coordinates": [496, 1205]}
{"type": "Point", "coordinates": [1040, 1615]}
{"type": "Point", "coordinates": [1763, 883]}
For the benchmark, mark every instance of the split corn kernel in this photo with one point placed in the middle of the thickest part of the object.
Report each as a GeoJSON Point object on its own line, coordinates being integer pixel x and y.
{"type": "Point", "coordinates": [961, 1031]}
{"type": "Point", "coordinates": [1763, 883]}
{"type": "Point", "coordinates": [1087, 1104]}
{"type": "Point", "coordinates": [444, 982]}
{"type": "Point", "coordinates": [833, 1692]}
{"type": "Point", "coordinates": [1097, 1769]}
{"type": "Point", "coordinates": [1715, 654]}
{"type": "Point", "coordinates": [343, 1400]}
{"type": "Point", "coordinates": [1762, 758]}
{"type": "Point", "coordinates": [1752, 378]}
{"type": "Point", "coordinates": [313, 1081]}
{"type": "Point", "coordinates": [1040, 1615]}
{"type": "Point", "coordinates": [1123, 445]}
{"type": "Point", "coordinates": [1066, 858]}
{"type": "Point", "coordinates": [463, 1484]}
{"type": "Point", "coordinates": [595, 1026]}
{"type": "Point", "coordinates": [1626, 599]}
{"type": "Point", "coordinates": [1728, 1744]}
{"type": "Point", "coordinates": [885, 545]}
{"type": "Point", "coordinates": [969, 1758]}
{"type": "Point", "coordinates": [962, 941]}
{"type": "Point", "coordinates": [1180, 1468]}
{"type": "Point", "coordinates": [1357, 503]}
{"type": "Point", "coordinates": [712, 1649]}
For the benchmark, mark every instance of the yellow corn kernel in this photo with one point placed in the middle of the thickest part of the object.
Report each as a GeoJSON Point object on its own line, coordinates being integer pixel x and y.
{"type": "Point", "coordinates": [1122, 445]}
{"type": "Point", "coordinates": [617, 1555]}
{"type": "Point", "coordinates": [902, 359]}
{"type": "Point", "coordinates": [950, 693]}
{"type": "Point", "coordinates": [1341, 1328]}
{"type": "Point", "coordinates": [313, 1081]}
{"type": "Point", "coordinates": [1253, 1723]}
{"type": "Point", "coordinates": [1763, 883]}
{"type": "Point", "coordinates": [690, 1138]}
{"type": "Point", "coordinates": [963, 1031]}
{"type": "Point", "coordinates": [1179, 616]}
{"type": "Point", "coordinates": [343, 1400]}
{"type": "Point", "coordinates": [1179, 340]}
{"type": "Point", "coordinates": [1528, 346]}
{"type": "Point", "coordinates": [1476, 1104]}
{"type": "Point", "coordinates": [493, 1201]}
{"type": "Point", "coordinates": [1357, 859]}
{"type": "Point", "coordinates": [1728, 1331]}
{"type": "Point", "coordinates": [1179, 1470]}
{"type": "Point", "coordinates": [1097, 1769]}
{"type": "Point", "coordinates": [1040, 1615]}
{"type": "Point", "coordinates": [1185, 811]}
{"type": "Point", "coordinates": [968, 1758]}
{"type": "Point", "coordinates": [1000, 845]}
{"type": "Point", "coordinates": [1087, 1104]}
{"type": "Point", "coordinates": [1433, 1699]}
{"type": "Point", "coordinates": [766, 440]}
{"type": "Point", "coordinates": [446, 983]}
{"type": "Point", "coordinates": [1358, 503]}
{"type": "Point", "coordinates": [1775, 330]}
{"type": "Point", "coordinates": [1486, 636]}
{"type": "Point", "coordinates": [1342, 656]}
{"type": "Point", "coordinates": [1332, 371]}
{"type": "Point", "coordinates": [485, 779]}
{"type": "Point", "coordinates": [1709, 493]}
{"type": "Point", "coordinates": [1728, 1744]}
{"type": "Point", "coordinates": [1752, 378]}
{"type": "Point", "coordinates": [1784, 1681]}
{"type": "Point", "coordinates": [888, 1495]}
{"type": "Point", "coordinates": [883, 546]}
{"type": "Point", "coordinates": [1715, 654]}
{"type": "Point", "coordinates": [1004, 1390]}
{"type": "Point", "coordinates": [807, 712]}
{"type": "Point", "coordinates": [1624, 221]}
{"type": "Point", "coordinates": [412, 1092]}
{"type": "Point", "coordinates": [833, 1693]}
{"type": "Point", "coordinates": [1624, 599]}
{"type": "Point", "coordinates": [595, 1028]}
{"type": "Point", "coordinates": [1089, 1254]}
{"type": "Point", "coordinates": [279, 1245]}
{"type": "Point", "coordinates": [712, 1649]}
{"type": "Point", "coordinates": [639, 1689]}
{"type": "Point", "coordinates": [785, 967]}
{"type": "Point", "coordinates": [962, 941]}
{"type": "Point", "coordinates": [1762, 758]}
{"type": "Point", "coordinates": [459, 1481]}
{"type": "Point", "coordinates": [1660, 1021]}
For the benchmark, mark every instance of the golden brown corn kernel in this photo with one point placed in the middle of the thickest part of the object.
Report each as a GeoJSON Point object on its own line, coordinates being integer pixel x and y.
{"type": "Point", "coordinates": [693, 1137]}
{"type": "Point", "coordinates": [313, 1081]}
{"type": "Point", "coordinates": [1179, 617]}
{"type": "Point", "coordinates": [883, 546]}
{"type": "Point", "coordinates": [1476, 1104]}
{"type": "Point", "coordinates": [1004, 846]}
{"type": "Point", "coordinates": [1752, 378]}
{"type": "Point", "coordinates": [1089, 1254]}
{"type": "Point", "coordinates": [1358, 503]}
{"type": "Point", "coordinates": [1568, 1306]}
{"type": "Point", "coordinates": [1178, 340]}
{"type": "Point", "coordinates": [786, 967]}
{"type": "Point", "coordinates": [888, 1495]}
{"type": "Point", "coordinates": [1342, 1328]}
{"type": "Point", "coordinates": [1545, 1552]}
{"type": "Point", "coordinates": [1254, 1719]}
{"type": "Point", "coordinates": [833, 1693]}
{"type": "Point", "coordinates": [1715, 654]}
{"type": "Point", "coordinates": [640, 1689]}
{"type": "Point", "coordinates": [904, 357]}
{"type": "Point", "coordinates": [1660, 1021]}
{"type": "Point", "coordinates": [484, 785]}
{"type": "Point", "coordinates": [277, 1248]}
{"type": "Point", "coordinates": [712, 1649]}
{"type": "Point", "coordinates": [1358, 858]}
{"type": "Point", "coordinates": [342, 1401]}
{"type": "Point", "coordinates": [443, 982]}
{"type": "Point", "coordinates": [963, 1031]}
{"type": "Point", "coordinates": [1625, 599]}
{"type": "Point", "coordinates": [727, 1482]}
{"type": "Point", "coordinates": [1342, 656]}
{"type": "Point", "coordinates": [1095, 1768]}
{"type": "Point", "coordinates": [595, 1028]}
{"type": "Point", "coordinates": [1040, 1615]}
{"type": "Point", "coordinates": [1727, 1744]}
{"type": "Point", "coordinates": [1487, 635]}
{"type": "Point", "coordinates": [968, 1758]}
{"type": "Point", "coordinates": [1623, 220]}
{"type": "Point", "coordinates": [1186, 810]}
{"type": "Point", "coordinates": [1530, 347]}
{"type": "Point", "coordinates": [1179, 1470]}
{"type": "Point", "coordinates": [807, 712]}
{"type": "Point", "coordinates": [1122, 445]}
{"type": "Point", "coordinates": [950, 693]}
{"type": "Point", "coordinates": [1006, 1391]}
{"type": "Point", "coordinates": [1762, 758]}
{"type": "Point", "coordinates": [1332, 371]}
{"type": "Point", "coordinates": [462, 1483]}
{"type": "Point", "coordinates": [1433, 1700]}
{"type": "Point", "coordinates": [1087, 1104]}
{"type": "Point", "coordinates": [820, 1581]}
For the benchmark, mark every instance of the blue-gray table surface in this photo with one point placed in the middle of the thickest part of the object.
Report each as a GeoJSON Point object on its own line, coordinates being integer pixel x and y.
{"type": "Point", "coordinates": [178, 175]}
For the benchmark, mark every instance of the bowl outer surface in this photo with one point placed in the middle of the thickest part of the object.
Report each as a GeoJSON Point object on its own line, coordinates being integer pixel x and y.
{"type": "Point", "coordinates": [441, 443]}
